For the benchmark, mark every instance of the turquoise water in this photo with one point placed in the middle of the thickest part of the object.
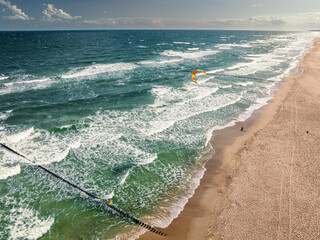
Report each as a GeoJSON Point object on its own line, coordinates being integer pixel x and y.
{"type": "Point", "coordinates": [117, 113]}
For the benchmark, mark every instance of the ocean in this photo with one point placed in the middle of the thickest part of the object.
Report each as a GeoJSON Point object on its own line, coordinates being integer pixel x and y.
{"type": "Point", "coordinates": [117, 113]}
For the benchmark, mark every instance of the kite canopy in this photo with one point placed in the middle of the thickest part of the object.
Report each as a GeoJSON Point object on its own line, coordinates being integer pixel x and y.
{"type": "Point", "coordinates": [194, 74]}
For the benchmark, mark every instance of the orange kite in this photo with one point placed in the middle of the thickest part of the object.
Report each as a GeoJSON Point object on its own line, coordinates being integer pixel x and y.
{"type": "Point", "coordinates": [194, 74]}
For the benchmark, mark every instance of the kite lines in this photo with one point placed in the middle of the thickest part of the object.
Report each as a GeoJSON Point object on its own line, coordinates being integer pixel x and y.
{"type": "Point", "coordinates": [117, 210]}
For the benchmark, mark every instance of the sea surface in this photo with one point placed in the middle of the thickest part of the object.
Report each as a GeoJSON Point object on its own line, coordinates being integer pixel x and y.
{"type": "Point", "coordinates": [117, 113]}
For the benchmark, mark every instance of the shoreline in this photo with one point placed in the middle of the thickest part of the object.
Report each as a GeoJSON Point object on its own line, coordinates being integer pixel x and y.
{"type": "Point", "coordinates": [195, 213]}
{"type": "Point", "coordinates": [202, 212]}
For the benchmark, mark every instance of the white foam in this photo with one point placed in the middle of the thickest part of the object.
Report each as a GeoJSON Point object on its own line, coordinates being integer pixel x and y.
{"type": "Point", "coordinates": [259, 41]}
{"type": "Point", "coordinates": [189, 92]}
{"type": "Point", "coordinates": [75, 144]}
{"type": "Point", "coordinates": [26, 224]}
{"type": "Point", "coordinates": [6, 172]}
{"type": "Point", "coordinates": [141, 46]}
{"type": "Point", "coordinates": [2, 77]}
{"type": "Point", "coordinates": [193, 55]}
{"type": "Point", "coordinates": [99, 69]}
{"type": "Point", "coordinates": [224, 47]}
{"type": "Point", "coordinates": [66, 126]}
{"type": "Point", "coordinates": [5, 115]}
{"type": "Point", "coordinates": [177, 56]}
{"type": "Point", "coordinates": [227, 37]}
{"type": "Point", "coordinates": [41, 146]}
{"type": "Point", "coordinates": [27, 82]}
{"type": "Point", "coordinates": [193, 49]}
{"type": "Point", "coordinates": [259, 103]}
{"type": "Point", "coordinates": [216, 70]}
{"type": "Point", "coordinates": [259, 63]}
{"type": "Point", "coordinates": [177, 205]}
{"type": "Point", "coordinates": [17, 137]}
{"type": "Point", "coordinates": [159, 126]}
{"type": "Point", "coordinates": [108, 196]}
{"type": "Point", "coordinates": [244, 84]}
{"type": "Point", "coordinates": [205, 79]}
{"type": "Point", "coordinates": [124, 178]}
{"type": "Point", "coordinates": [225, 86]}
{"type": "Point", "coordinates": [21, 86]}
{"type": "Point", "coordinates": [199, 101]}
{"type": "Point", "coordinates": [118, 150]}
{"type": "Point", "coordinates": [228, 46]}
{"type": "Point", "coordinates": [164, 61]}
{"type": "Point", "coordinates": [59, 156]}
{"type": "Point", "coordinates": [182, 43]}
{"type": "Point", "coordinates": [296, 45]}
{"type": "Point", "coordinates": [144, 158]}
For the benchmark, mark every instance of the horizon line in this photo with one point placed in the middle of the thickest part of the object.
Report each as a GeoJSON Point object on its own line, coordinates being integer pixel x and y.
{"type": "Point", "coordinates": [152, 29]}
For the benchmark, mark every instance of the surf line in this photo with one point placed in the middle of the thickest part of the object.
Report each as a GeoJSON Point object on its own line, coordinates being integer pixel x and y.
{"type": "Point", "coordinates": [117, 210]}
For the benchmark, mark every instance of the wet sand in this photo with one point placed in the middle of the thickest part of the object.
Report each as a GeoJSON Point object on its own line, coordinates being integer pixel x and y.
{"type": "Point", "coordinates": [263, 183]}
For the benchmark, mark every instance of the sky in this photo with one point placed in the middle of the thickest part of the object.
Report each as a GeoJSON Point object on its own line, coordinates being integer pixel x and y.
{"type": "Point", "coordinates": [160, 14]}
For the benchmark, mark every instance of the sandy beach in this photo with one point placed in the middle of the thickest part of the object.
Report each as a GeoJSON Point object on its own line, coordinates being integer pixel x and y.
{"type": "Point", "coordinates": [263, 183]}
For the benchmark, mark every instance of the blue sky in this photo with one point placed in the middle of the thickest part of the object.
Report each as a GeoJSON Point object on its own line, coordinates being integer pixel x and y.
{"type": "Point", "coordinates": [160, 14]}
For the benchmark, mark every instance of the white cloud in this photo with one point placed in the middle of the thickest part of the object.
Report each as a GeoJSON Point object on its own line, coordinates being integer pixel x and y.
{"type": "Point", "coordinates": [102, 21]}
{"type": "Point", "coordinates": [265, 20]}
{"type": "Point", "coordinates": [297, 21]}
{"type": "Point", "coordinates": [260, 21]}
{"type": "Point", "coordinates": [256, 5]}
{"type": "Point", "coordinates": [309, 16]}
{"type": "Point", "coordinates": [304, 20]}
{"type": "Point", "coordinates": [53, 14]}
{"type": "Point", "coordinates": [17, 13]}
{"type": "Point", "coordinates": [130, 22]}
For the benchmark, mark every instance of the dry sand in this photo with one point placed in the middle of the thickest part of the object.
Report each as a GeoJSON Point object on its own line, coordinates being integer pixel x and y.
{"type": "Point", "coordinates": [264, 183]}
